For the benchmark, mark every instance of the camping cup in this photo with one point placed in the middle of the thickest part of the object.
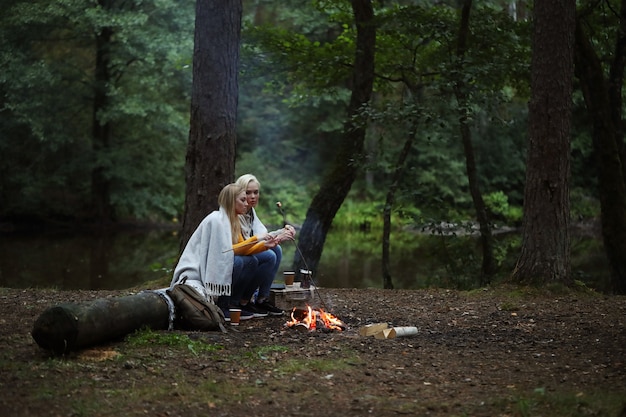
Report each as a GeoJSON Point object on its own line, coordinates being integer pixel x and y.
{"type": "Point", "coordinates": [235, 315]}
{"type": "Point", "coordinates": [289, 276]}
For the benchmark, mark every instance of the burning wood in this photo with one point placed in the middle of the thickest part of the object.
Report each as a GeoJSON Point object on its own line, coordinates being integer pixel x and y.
{"type": "Point", "coordinates": [311, 320]}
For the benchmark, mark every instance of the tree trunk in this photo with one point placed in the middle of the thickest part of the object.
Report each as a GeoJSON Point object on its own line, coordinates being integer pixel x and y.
{"type": "Point", "coordinates": [397, 175]}
{"type": "Point", "coordinates": [616, 82]}
{"type": "Point", "coordinates": [71, 327]}
{"type": "Point", "coordinates": [603, 101]}
{"type": "Point", "coordinates": [338, 181]}
{"type": "Point", "coordinates": [101, 131]}
{"type": "Point", "coordinates": [545, 252]}
{"type": "Point", "coordinates": [210, 163]}
{"type": "Point", "coordinates": [486, 238]}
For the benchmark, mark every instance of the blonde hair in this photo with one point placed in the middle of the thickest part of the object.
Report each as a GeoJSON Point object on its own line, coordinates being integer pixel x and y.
{"type": "Point", "coordinates": [226, 200]}
{"type": "Point", "coordinates": [246, 179]}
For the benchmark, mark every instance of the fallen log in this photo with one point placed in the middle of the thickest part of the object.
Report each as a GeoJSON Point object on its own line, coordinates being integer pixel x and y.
{"type": "Point", "coordinates": [74, 326]}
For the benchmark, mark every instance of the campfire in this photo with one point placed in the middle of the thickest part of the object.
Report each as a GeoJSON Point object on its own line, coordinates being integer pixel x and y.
{"type": "Point", "coordinates": [311, 319]}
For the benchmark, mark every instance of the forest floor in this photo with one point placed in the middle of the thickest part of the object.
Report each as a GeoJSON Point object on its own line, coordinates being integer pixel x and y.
{"type": "Point", "coordinates": [489, 352]}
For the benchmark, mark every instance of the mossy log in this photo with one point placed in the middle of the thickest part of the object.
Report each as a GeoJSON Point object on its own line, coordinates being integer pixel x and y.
{"type": "Point", "coordinates": [70, 327]}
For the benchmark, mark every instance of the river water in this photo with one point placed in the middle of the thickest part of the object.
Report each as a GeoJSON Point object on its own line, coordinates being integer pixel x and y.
{"type": "Point", "coordinates": [350, 260]}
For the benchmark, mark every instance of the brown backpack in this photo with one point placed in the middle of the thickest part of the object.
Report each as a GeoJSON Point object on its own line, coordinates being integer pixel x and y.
{"type": "Point", "coordinates": [193, 312]}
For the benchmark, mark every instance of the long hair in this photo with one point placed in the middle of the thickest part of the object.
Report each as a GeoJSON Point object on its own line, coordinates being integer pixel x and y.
{"type": "Point", "coordinates": [226, 200]}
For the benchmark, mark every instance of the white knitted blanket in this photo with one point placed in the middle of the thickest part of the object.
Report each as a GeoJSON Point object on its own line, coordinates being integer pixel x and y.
{"type": "Point", "coordinates": [207, 261]}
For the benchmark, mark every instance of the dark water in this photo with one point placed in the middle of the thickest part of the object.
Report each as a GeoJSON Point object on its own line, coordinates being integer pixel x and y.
{"type": "Point", "coordinates": [349, 260]}
{"type": "Point", "coordinates": [70, 262]}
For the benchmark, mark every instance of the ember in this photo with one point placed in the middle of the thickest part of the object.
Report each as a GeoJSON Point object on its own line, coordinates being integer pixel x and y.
{"type": "Point", "coordinates": [311, 319]}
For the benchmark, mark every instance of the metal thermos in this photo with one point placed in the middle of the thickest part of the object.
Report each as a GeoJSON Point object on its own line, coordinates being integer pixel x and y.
{"type": "Point", "coordinates": [305, 278]}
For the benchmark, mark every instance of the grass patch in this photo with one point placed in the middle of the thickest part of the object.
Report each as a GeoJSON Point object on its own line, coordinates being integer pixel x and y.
{"type": "Point", "coordinates": [264, 352]}
{"type": "Point", "coordinates": [149, 338]}
{"type": "Point", "coordinates": [540, 402]}
{"type": "Point", "coordinates": [294, 366]}
{"type": "Point", "coordinates": [260, 357]}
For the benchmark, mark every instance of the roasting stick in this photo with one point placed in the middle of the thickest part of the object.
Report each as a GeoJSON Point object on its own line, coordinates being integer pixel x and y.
{"type": "Point", "coordinates": [280, 207]}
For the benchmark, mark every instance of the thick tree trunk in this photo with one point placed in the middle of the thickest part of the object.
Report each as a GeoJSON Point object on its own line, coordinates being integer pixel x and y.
{"type": "Point", "coordinates": [545, 252]}
{"type": "Point", "coordinates": [71, 327]}
{"type": "Point", "coordinates": [337, 183]}
{"type": "Point", "coordinates": [604, 107]}
{"type": "Point", "coordinates": [210, 163]}
{"type": "Point", "coordinates": [486, 238]}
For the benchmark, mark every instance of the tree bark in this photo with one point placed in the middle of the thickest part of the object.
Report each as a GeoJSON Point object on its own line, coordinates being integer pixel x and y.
{"type": "Point", "coordinates": [71, 327]}
{"type": "Point", "coordinates": [338, 181]}
{"type": "Point", "coordinates": [488, 268]}
{"type": "Point", "coordinates": [604, 104]}
{"type": "Point", "coordinates": [210, 161]}
{"type": "Point", "coordinates": [545, 252]}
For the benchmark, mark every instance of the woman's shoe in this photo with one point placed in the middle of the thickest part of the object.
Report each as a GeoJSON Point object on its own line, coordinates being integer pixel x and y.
{"type": "Point", "coordinates": [252, 309]}
{"type": "Point", "coordinates": [270, 308]}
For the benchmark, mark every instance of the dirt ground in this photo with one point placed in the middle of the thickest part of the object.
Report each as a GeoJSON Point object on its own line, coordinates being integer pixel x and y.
{"type": "Point", "coordinates": [491, 352]}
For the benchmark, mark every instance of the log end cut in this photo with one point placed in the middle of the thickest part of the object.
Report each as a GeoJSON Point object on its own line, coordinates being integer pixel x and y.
{"type": "Point", "coordinates": [56, 329]}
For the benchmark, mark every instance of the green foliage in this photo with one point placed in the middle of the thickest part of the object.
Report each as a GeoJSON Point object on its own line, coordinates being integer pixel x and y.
{"type": "Point", "coordinates": [309, 64]}
{"type": "Point", "coordinates": [498, 204]}
{"type": "Point", "coordinates": [294, 85]}
{"type": "Point", "coordinates": [582, 205]}
{"type": "Point", "coordinates": [291, 108]}
{"type": "Point", "coordinates": [355, 215]}
{"type": "Point", "coordinates": [48, 106]}
{"type": "Point", "coordinates": [418, 50]}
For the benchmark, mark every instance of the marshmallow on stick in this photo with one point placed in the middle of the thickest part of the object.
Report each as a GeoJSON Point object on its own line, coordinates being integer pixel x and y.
{"type": "Point", "coordinates": [287, 232]}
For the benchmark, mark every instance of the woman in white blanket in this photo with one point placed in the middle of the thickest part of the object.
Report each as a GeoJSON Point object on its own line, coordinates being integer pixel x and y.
{"type": "Point", "coordinates": [218, 262]}
{"type": "Point", "coordinates": [251, 225]}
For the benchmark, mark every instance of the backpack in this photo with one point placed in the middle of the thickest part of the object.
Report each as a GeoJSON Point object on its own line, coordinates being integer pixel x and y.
{"type": "Point", "coordinates": [193, 312]}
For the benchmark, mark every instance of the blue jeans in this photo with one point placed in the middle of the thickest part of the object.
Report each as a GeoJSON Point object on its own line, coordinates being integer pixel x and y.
{"type": "Point", "coordinates": [268, 264]}
{"type": "Point", "coordinates": [244, 281]}
{"type": "Point", "coordinates": [250, 273]}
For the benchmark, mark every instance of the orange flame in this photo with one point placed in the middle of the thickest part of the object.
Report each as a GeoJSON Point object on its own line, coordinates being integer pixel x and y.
{"type": "Point", "coordinates": [311, 317]}
{"type": "Point", "coordinates": [330, 321]}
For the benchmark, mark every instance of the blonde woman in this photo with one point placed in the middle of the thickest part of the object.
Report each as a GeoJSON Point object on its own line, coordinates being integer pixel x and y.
{"type": "Point", "coordinates": [218, 262]}
{"type": "Point", "coordinates": [251, 225]}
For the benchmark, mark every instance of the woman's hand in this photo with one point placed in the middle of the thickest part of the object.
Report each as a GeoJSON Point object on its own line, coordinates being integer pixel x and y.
{"type": "Point", "coordinates": [271, 242]}
{"type": "Point", "coordinates": [264, 236]}
{"type": "Point", "coordinates": [286, 233]}
{"type": "Point", "coordinates": [290, 231]}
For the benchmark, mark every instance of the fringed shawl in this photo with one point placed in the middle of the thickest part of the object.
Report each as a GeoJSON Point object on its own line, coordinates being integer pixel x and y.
{"type": "Point", "coordinates": [208, 256]}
